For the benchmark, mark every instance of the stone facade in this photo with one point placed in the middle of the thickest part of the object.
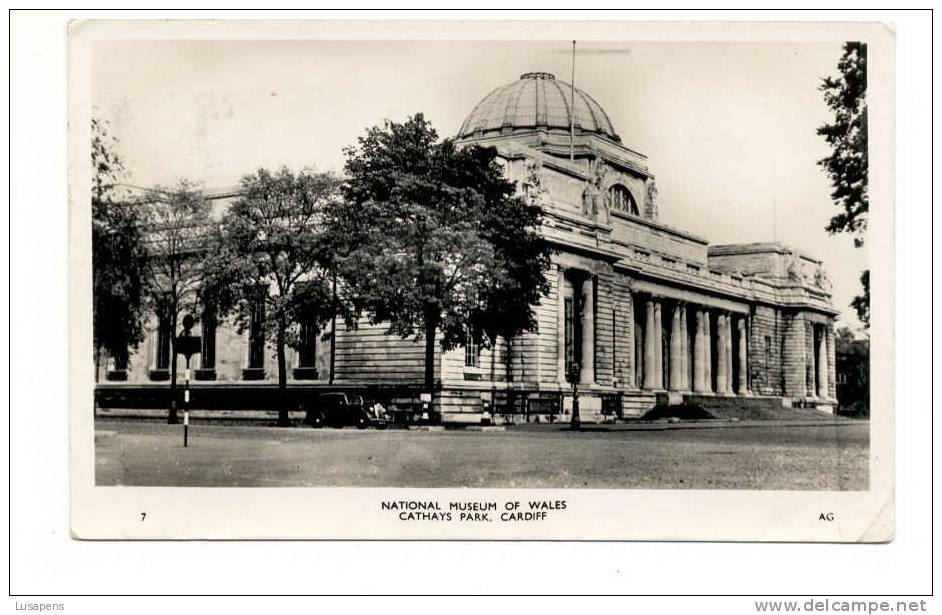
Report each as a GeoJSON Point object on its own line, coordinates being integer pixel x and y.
{"type": "Point", "coordinates": [648, 311]}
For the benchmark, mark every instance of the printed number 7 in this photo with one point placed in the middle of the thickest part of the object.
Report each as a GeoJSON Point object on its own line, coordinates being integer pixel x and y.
{"type": "Point", "coordinates": [143, 514]}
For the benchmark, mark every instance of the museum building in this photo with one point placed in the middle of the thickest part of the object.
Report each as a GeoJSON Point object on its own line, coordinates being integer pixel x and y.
{"type": "Point", "coordinates": [651, 314]}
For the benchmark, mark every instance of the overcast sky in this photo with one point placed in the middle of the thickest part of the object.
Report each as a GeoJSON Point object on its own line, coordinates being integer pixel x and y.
{"type": "Point", "coordinates": [728, 128]}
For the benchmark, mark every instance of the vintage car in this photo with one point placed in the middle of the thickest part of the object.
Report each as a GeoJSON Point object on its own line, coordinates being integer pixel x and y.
{"type": "Point", "coordinates": [340, 410]}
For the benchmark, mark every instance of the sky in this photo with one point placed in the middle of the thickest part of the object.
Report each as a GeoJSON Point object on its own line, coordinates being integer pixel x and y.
{"type": "Point", "coordinates": [728, 128]}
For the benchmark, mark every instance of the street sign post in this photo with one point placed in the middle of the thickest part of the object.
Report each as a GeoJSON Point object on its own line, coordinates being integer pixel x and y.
{"type": "Point", "coordinates": [187, 345]}
{"type": "Point", "coordinates": [426, 400]}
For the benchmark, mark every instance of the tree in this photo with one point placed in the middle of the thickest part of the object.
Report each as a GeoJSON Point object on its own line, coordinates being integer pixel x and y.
{"type": "Point", "coordinates": [853, 363]}
{"type": "Point", "coordinates": [516, 282]}
{"type": "Point", "coordinates": [848, 164]}
{"type": "Point", "coordinates": [861, 303]}
{"type": "Point", "coordinates": [120, 265]}
{"type": "Point", "coordinates": [427, 228]}
{"type": "Point", "coordinates": [178, 220]}
{"type": "Point", "coordinates": [270, 247]}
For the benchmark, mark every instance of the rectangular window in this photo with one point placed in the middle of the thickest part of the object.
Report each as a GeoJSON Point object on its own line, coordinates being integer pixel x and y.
{"type": "Point", "coordinates": [307, 344]}
{"type": "Point", "coordinates": [163, 341]}
{"type": "Point", "coordinates": [570, 332]}
{"type": "Point", "coordinates": [257, 334]}
{"type": "Point", "coordinates": [471, 352]}
{"type": "Point", "coordinates": [768, 351]}
{"type": "Point", "coordinates": [208, 350]}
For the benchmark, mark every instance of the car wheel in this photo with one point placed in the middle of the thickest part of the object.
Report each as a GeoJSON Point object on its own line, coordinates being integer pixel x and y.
{"type": "Point", "coordinates": [382, 425]}
{"type": "Point", "coordinates": [362, 423]}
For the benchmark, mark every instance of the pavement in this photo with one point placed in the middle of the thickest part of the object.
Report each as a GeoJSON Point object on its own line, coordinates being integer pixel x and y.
{"type": "Point", "coordinates": [263, 418]}
{"type": "Point", "coordinates": [799, 455]}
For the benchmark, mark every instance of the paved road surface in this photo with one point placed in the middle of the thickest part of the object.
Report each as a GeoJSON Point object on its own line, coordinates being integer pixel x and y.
{"type": "Point", "coordinates": [810, 457]}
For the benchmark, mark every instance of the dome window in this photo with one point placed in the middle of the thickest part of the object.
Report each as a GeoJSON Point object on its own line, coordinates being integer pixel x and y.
{"type": "Point", "coordinates": [619, 198]}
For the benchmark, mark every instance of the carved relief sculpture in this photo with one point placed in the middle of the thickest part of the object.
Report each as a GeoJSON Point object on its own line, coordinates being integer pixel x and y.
{"type": "Point", "coordinates": [793, 268]}
{"type": "Point", "coordinates": [822, 280]}
{"type": "Point", "coordinates": [650, 200]}
{"type": "Point", "coordinates": [533, 187]}
{"type": "Point", "coordinates": [592, 197]}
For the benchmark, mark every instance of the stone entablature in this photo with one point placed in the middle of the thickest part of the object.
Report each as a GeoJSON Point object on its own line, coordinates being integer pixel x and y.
{"type": "Point", "coordinates": [753, 290]}
{"type": "Point", "coordinates": [656, 237]}
{"type": "Point", "coordinates": [556, 145]}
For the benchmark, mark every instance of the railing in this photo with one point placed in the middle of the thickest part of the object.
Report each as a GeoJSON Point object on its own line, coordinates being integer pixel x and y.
{"type": "Point", "coordinates": [523, 402]}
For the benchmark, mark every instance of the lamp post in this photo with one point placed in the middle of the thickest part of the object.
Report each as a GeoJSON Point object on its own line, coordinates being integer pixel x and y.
{"type": "Point", "coordinates": [572, 374]}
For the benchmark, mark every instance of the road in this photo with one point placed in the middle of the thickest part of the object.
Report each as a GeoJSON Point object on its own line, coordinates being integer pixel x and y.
{"type": "Point", "coordinates": [808, 457]}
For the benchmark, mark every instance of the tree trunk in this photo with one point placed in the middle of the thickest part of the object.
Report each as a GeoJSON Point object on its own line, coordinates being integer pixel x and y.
{"type": "Point", "coordinates": [97, 363]}
{"type": "Point", "coordinates": [431, 325]}
{"type": "Point", "coordinates": [173, 419]}
{"type": "Point", "coordinates": [282, 377]}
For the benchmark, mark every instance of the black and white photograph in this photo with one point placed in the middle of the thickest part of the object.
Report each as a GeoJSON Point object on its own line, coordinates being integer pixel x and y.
{"type": "Point", "coordinates": [620, 310]}
{"type": "Point", "coordinates": [610, 265]}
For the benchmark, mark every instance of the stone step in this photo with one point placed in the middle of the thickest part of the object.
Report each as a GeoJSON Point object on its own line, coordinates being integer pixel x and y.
{"type": "Point", "coordinates": [753, 408]}
{"type": "Point", "coordinates": [637, 404]}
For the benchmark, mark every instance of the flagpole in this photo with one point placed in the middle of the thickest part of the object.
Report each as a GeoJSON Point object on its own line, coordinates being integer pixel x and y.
{"type": "Point", "coordinates": [572, 103]}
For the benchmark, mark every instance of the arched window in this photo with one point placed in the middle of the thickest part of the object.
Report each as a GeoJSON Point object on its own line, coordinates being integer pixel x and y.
{"type": "Point", "coordinates": [619, 198]}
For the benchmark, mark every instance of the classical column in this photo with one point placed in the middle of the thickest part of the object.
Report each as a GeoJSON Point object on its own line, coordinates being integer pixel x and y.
{"type": "Point", "coordinates": [699, 355]}
{"type": "Point", "coordinates": [676, 354]}
{"type": "Point", "coordinates": [811, 373]}
{"type": "Point", "coordinates": [728, 339]}
{"type": "Point", "coordinates": [658, 346]}
{"type": "Point", "coordinates": [630, 380]}
{"type": "Point", "coordinates": [588, 331]}
{"type": "Point", "coordinates": [560, 325]}
{"type": "Point", "coordinates": [707, 352]}
{"type": "Point", "coordinates": [832, 362]}
{"type": "Point", "coordinates": [743, 362]}
{"type": "Point", "coordinates": [721, 367]}
{"type": "Point", "coordinates": [649, 373]}
{"type": "Point", "coordinates": [823, 365]}
{"type": "Point", "coordinates": [684, 351]}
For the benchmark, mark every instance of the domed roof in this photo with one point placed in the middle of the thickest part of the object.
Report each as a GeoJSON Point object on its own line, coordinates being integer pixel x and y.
{"type": "Point", "coordinates": [536, 100]}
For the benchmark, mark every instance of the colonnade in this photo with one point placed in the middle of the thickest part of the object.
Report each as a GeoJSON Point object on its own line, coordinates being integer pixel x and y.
{"type": "Point", "coordinates": [699, 346]}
